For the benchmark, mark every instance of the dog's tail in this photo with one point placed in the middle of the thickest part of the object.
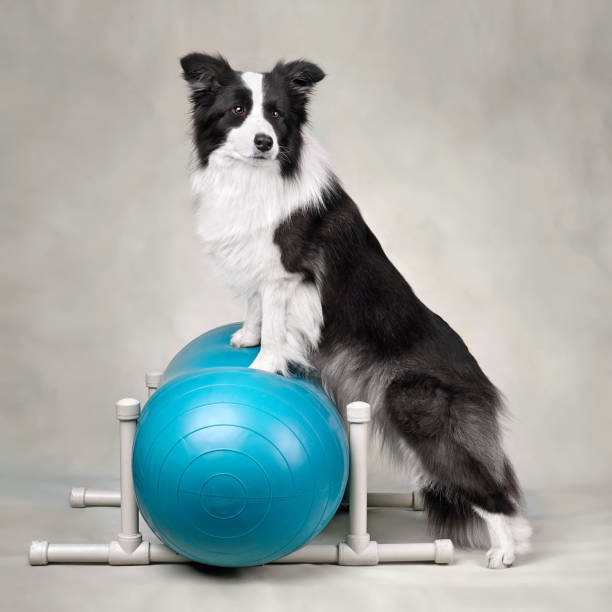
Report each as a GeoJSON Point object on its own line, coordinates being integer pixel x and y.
{"type": "Point", "coordinates": [451, 516]}
{"type": "Point", "coordinates": [451, 511]}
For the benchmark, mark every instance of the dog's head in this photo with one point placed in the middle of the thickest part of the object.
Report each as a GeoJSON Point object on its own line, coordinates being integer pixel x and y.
{"type": "Point", "coordinates": [255, 118]}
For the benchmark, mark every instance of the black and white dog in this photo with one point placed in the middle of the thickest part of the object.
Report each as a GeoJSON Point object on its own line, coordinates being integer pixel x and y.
{"type": "Point", "coordinates": [322, 295]}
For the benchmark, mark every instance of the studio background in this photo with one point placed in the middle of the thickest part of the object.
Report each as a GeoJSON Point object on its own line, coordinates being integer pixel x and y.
{"type": "Point", "coordinates": [476, 137]}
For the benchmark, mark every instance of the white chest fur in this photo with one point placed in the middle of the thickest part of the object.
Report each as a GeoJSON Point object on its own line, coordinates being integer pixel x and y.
{"type": "Point", "coordinates": [236, 223]}
{"type": "Point", "coordinates": [241, 202]}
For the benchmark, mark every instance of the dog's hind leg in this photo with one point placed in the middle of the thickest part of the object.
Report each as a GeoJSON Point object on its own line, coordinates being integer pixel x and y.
{"type": "Point", "coordinates": [521, 532]}
{"type": "Point", "coordinates": [471, 483]}
{"type": "Point", "coordinates": [502, 551]}
{"type": "Point", "coordinates": [509, 531]}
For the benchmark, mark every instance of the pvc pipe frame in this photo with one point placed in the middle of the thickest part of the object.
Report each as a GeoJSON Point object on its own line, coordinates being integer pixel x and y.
{"type": "Point", "coordinates": [130, 549]}
{"type": "Point", "coordinates": [82, 497]}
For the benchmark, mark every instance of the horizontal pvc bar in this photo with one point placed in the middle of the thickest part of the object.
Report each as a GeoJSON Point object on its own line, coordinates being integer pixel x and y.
{"type": "Point", "coordinates": [412, 500]}
{"type": "Point", "coordinates": [86, 553]}
{"type": "Point", "coordinates": [440, 551]}
{"type": "Point", "coordinates": [42, 553]}
{"type": "Point", "coordinates": [158, 553]}
{"type": "Point", "coordinates": [113, 553]}
{"type": "Point", "coordinates": [314, 553]}
{"type": "Point", "coordinates": [82, 497]}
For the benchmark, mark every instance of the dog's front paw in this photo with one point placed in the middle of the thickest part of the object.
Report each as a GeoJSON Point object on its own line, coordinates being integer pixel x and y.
{"type": "Point", "coordinates": [499, 558]}
{"type": "Point", "coordinates": [244, 338]}
{"type": "Point", "coordinates": [269, 362]}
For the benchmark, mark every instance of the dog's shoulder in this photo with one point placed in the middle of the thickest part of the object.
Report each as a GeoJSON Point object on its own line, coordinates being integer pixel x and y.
{"type": "Point", "coordinates": [334, 228]}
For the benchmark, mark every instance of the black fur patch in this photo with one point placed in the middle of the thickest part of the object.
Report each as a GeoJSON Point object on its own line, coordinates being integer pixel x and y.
{"type": "Point", "coordinates": [365, 299]}
{"type": "Point", "coordinates": [287, 89]}
{"type": "Point", "coordinates": [215, 89]}
{"type": "Point", "coordinates": [439, 400]}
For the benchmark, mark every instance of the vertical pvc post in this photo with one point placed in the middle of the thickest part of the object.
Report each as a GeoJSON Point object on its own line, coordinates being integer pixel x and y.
{"type": "Point", "coordinates": [358, 417]}
{"type": "Point", "coordinates": [153, 381]}
{"type": "Point", "coordinates": [128, 411]}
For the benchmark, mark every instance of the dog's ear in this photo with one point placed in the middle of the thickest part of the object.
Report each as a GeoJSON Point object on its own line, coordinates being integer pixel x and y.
{"type": "Point", "coordinates": [301, 76]}
{"type": "Point", "coordinates": [205, 72]}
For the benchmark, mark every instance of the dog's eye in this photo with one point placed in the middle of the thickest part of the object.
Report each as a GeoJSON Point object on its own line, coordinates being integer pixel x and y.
{"type": "Point", "coordinates": [276, 114]}
{"type": "Point", "coordinates": [238, 109]}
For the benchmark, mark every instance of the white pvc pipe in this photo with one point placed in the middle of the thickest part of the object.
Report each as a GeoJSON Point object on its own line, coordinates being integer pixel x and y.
{"type": "Point", "coordinates": [395, 500]}
{"type": "Point", "coordinates": [82, 497]}
{"type": "Point", "coordinates": [313, 553]}
{"type": "Point", "coordinates": [158, 553]}
{"type": "Point", "coordinates": [440, 551]}
{"type": "Point", "coordinates": [42, 553]}
{"type": "Point", "coordinates": [390, 500]}
{"type": "Point", "coordinates": [128, 411]}
{"type": "Point", "coordinates": [358, 417]}
{"type": "Point", "coordinates": [87, 553]}
{"type": "Point", "coordinates": [153, 381]}
{"type": "Point", "coordinates": [113, 553]}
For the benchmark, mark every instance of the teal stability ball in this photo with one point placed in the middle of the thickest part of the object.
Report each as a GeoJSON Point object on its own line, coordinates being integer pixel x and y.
{"type": "Point", "coordinates": [233, 466]}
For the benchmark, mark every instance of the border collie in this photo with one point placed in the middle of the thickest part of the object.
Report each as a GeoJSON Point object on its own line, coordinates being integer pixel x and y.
{"type": "Point", "coordinates": [322, 296]}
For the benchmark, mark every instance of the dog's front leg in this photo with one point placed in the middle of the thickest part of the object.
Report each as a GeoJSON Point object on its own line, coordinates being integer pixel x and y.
{"type": "Point", "coordinates": [273, 329]}
{"type": "Point", "coordinates": [250, 332]}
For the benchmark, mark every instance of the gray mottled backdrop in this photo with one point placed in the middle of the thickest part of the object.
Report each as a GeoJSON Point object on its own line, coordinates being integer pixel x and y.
{"type": "Point", "coordinates": [475, 136]}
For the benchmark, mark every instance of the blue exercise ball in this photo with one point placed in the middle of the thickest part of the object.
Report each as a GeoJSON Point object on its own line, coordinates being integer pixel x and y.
{"type": "Point", "coordinates": [237, 467]}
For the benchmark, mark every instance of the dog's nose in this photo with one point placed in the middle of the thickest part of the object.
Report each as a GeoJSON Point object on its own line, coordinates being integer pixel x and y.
{"type": "Point", "coordinates": [263, 142]}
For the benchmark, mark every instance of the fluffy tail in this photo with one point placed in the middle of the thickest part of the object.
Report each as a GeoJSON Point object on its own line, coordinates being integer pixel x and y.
{"type": "Point", "coordinates": [451, 512]}
{"type": "Point", "coordinates": [454, 519]}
